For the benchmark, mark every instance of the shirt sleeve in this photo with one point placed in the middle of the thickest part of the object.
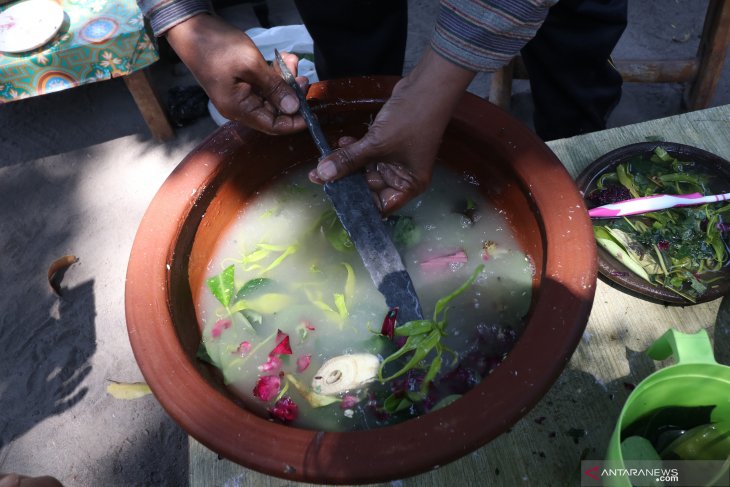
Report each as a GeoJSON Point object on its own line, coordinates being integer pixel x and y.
{"type": "Point", "coordinates": [484, 35]}
{"type": "Point", "coordinates": [165, 14]}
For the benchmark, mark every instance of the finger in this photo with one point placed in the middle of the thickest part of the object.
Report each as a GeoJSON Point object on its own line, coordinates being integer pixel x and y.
{"type": "Point", "coordinates": [397, 177]}
{"type": "Point", "coordinates": [374, 179]}
{"type": "Point", "coordinates": [275, 90]}
{"type": "Point", "coordinates": [291, 61]}
{"type": "Point", "coordinates": [314, 177]}
{"type": "Point", "coordinates": [345, 160]}
{"type": "Point", "coordinates": [303, 83]}
{"type": "Point", "coordinates": [263, 117]}
{"type": "Point", "coordinates": [345, 140]}
{"type": "Point", "coordinates": [391, 200]}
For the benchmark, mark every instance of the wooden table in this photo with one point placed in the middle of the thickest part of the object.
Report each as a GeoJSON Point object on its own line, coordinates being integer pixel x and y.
{"type": "Point", "coordinates": [574, 421]}
{"type": "Point", "coordinates": [97, 41]}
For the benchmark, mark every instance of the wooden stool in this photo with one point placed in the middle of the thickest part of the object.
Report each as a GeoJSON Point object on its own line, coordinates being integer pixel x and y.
{"type": "Point", "coordinates": [702, 72]}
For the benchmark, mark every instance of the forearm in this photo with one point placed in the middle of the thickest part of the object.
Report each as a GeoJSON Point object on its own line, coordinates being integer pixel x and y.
{"type": "Point", "coordinates": [481, 35]}
{"type": "Point", "coordinates": [165, 14]}
{"type": "Point", "coordinates": [436, 84]}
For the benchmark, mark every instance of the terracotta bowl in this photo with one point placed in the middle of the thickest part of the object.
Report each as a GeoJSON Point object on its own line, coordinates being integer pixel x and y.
{"type": "Point", "coordinates": [200, 198]}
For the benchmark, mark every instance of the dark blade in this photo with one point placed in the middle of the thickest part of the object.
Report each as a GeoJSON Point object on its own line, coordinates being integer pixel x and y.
{"type": "Point", "coordinates": [358, 214]}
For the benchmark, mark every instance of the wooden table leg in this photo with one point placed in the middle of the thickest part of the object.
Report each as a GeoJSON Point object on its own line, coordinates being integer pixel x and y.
{"type": "Point", "coordinates": [149, 105]}
{"type": "Point", "coordinates": [500, 90]}
{"type": "Point", "coordinates": [711, 54]}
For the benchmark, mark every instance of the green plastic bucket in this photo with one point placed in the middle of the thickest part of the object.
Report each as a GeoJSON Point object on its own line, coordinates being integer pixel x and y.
{"type": "Point", "coordinates": [696, 380]}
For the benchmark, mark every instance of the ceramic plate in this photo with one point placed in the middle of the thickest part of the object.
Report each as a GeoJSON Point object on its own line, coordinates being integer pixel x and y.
{"type": "Point", "coordinates": [610, 268]}
{"type": "Point", "coordinates": [29, 24]}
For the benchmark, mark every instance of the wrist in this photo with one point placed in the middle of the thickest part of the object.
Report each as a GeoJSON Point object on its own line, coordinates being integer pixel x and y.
{"type": "Point", "coordinates": [171, 14]}
{"type": "Point", "coordinates": [436, 85]}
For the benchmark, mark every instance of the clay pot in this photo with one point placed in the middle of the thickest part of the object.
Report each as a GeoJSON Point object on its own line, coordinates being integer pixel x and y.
{"type": "Point", "coordinates": [194, 206]}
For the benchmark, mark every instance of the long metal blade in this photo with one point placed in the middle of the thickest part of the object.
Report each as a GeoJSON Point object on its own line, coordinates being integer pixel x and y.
{"type": "Point", "coordinates": [358, 214]}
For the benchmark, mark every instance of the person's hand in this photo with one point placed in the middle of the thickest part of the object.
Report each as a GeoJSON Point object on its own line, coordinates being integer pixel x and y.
{"type": "Point", "coordinates": [234, 74]}
{"type": "Point", "coordinates": [15, 480]}
{"type": "Point", "coordinates": [399, 150]}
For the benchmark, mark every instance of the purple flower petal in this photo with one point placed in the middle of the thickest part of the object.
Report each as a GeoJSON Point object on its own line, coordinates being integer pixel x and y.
{"type": "Point", "coordinates": [285, 410]}
{"type": "Point", "coordinates": [349, 401]}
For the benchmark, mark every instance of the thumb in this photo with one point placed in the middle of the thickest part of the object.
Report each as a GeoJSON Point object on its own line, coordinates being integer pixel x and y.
{"type": "Point", "coordinates": [343, 161]}
{"type": "Point", "coordinates": [279, 94]}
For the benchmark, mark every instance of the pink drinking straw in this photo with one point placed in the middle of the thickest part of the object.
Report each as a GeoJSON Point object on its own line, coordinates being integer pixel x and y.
{"type": "Point", "coordinates": [653, 203]}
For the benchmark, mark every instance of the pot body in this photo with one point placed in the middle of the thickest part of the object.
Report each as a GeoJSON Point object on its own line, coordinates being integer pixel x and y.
{"type": "Point", "coordinates": [200, 199]}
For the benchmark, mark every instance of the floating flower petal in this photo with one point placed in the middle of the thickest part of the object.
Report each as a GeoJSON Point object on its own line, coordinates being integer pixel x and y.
{"type": "Point", "coordinates": [303, 362]}
{"type": "Point", "coordinates": [282, 344]}
{"type": "Point", "coordinates": [219, 326]}
{"type": "Point", "coordinates": [388, 327]}
{"type": "Point", "coordinates": [285, 410]}
{"type": "Point", "coordinates": [267, 387]}
{"type": "Point", "coordinates": [243, 348]}
{"type": "Point", "coordinates": [349, 401]}
{"type": "Point", "coordinates": [273, 363]}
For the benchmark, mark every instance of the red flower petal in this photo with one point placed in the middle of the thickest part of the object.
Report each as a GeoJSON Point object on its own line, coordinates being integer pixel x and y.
{"type": "Point", "coordinates": [219, 326]}
{"type": "Point", "coordinates": [285, 410]}
{"type": "Point", "coordinates": [272, 363]}
{"type": "Point", "coordinates": [303, 362]}
{"type": "Point", "coordinates": [309, 326]}
{"type": "Point", "coordinates": [282, 344]}
{"type": "Point", "coordinates": [267, 387]}
{"type": "Point", "coordinates": [388, 327]}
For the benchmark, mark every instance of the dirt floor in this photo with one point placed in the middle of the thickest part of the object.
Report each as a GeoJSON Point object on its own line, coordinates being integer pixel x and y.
{"type": "Point", "coordinates": [77, 171]}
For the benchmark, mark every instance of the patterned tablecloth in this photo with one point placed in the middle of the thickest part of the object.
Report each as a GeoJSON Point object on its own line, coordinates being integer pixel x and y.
{"type": "Point", "coordinates": [99, 40]}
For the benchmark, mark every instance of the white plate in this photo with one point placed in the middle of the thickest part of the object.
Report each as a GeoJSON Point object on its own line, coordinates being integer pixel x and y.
{"type": "Point", "coordinates": [29, 24]}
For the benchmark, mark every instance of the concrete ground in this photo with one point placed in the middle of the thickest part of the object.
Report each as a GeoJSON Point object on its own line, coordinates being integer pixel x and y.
{"type": "Point", "coordinates": [77, 171]}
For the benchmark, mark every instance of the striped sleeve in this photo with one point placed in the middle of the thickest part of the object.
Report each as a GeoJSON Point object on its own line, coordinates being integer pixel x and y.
{"type": "Point", "coordinates": [165, 14]}
{"type": "Point", "coordinates": [484, 35]}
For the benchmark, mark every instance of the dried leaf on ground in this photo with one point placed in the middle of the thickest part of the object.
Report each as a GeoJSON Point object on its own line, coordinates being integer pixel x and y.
{"type": "Point", "coordinates": [57, 269]}
{"type": "Point", "coordinates": [128, 390]}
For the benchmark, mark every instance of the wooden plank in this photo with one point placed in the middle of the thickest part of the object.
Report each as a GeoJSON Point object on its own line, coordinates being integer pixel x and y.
{"type": "Point", "coordinates": [149, 105]}
{"type": "Point", "coordinates": [657, 71]}
{"type": "Point", "coordinates": [640, 70]}
{"type": "Point", "coordinates": [575, 419]}
{"type": "Point", "coordinates": [500, 89]}
{"type": "Point", "coordinates": [711, 54]}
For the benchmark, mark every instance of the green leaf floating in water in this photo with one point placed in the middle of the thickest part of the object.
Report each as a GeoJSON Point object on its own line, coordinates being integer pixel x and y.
{"type": "Point", "coordinates": [222, 285]}
{"type": "Point", "coordinates": [334, 232]}
{"type": "Point", "coordinates": [424, 337]}
{"type": "Point", "coordinates": [253, 286]}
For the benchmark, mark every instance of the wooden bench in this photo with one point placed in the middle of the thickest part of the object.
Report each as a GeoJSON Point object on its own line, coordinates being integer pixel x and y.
{"type": "Point", "coordinates": [701, 72]}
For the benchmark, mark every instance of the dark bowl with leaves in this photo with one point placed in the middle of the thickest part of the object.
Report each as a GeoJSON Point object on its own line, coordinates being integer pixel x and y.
{"type": "Point", "coordinates": [675, 256]}
{"type": "Point", "coordinates": [201, 198]}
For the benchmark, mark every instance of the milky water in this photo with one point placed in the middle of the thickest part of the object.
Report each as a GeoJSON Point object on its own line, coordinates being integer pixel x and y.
{"type": "Point", "coordinates": [321, 295]}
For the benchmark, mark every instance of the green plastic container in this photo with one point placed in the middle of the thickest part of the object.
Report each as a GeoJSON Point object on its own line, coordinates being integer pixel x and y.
{"type": "Point", "coordinates": [695, 380]}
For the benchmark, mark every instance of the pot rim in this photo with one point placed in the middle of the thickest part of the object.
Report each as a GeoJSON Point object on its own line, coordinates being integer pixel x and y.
{"type": "Point", "coordinates": [400, 450]}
